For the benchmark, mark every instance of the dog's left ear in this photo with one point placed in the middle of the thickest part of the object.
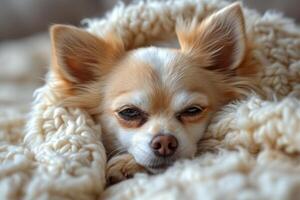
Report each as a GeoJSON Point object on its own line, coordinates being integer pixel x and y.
{"type": "Point", "coordinates": [219, 41]}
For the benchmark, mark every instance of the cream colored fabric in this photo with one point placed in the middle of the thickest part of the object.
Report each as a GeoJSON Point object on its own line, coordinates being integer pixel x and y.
{"type": "Point", "coordinates": [250, 151]}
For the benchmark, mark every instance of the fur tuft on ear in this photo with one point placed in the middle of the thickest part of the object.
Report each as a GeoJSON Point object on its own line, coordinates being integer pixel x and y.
{"type": "Point", "coordinates": [79, 57]}
{"type": "Point", "coordinates": [219, 40]}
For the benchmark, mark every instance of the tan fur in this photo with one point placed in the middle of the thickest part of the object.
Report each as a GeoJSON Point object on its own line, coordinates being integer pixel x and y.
{"type": "Point", "coordinates": [122, 167]}
{"type": "Point", "coordinates": [80, 58]}
{"type": "Point", "coordinates": [217, 40]}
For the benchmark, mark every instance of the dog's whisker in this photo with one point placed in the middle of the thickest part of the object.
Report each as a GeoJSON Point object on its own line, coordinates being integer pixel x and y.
{"type": "Point", "coordinates": [117, 151]}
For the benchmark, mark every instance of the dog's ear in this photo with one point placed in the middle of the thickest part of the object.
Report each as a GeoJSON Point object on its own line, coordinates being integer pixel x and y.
{"type": "Point", "coordinates": [219, 41]}
{"type": "Point", "coordinates": [80, 57]}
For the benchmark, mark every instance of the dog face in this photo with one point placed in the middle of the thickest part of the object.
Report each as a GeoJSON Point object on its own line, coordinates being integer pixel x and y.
{"type": "Point", "coordinates": [155, 102]}
{"type": "Point", "coordinates": [158, 104]}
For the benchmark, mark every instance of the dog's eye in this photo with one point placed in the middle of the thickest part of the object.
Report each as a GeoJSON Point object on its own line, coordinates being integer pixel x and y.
{"type": "Point", "coordinates": [190, 112]}
{"type": "Point", "coordinates": [130, 114]}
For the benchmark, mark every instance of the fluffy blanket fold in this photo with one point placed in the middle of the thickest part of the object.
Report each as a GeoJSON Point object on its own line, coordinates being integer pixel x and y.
{"type": "Point", "coordinates": [251, 149]}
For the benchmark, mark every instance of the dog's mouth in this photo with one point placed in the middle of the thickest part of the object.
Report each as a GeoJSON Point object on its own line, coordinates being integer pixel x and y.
{"type": "Point", "coordinates": [153, 163]}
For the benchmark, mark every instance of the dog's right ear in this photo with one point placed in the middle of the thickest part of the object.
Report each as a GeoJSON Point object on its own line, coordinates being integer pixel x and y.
{"type": "Point", "coordinates": [79, 57]}
{"type": "Point", "coordinates": [219, 40]}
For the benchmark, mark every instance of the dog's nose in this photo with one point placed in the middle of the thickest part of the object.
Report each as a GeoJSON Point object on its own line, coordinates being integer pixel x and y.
{"type": "Point", "coordinates": [164, 145]}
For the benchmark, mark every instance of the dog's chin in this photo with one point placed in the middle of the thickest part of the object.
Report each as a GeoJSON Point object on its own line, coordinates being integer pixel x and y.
{"type": "Point", "coordinates": [156, 165]}
{"type": "Point", "coordinates": [157, 169]}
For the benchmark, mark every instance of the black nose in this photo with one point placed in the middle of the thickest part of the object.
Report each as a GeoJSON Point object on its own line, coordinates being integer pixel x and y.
{"type": "Point", "coordinates": [164, 145]}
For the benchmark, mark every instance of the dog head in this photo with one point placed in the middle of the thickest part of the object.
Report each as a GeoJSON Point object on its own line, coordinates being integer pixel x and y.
{"type": "Point", "coordinates": [155, 102]}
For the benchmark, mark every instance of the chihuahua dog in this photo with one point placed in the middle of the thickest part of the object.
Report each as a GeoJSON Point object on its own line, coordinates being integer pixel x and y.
{"type": "Point", "coordinates": [154, 103]}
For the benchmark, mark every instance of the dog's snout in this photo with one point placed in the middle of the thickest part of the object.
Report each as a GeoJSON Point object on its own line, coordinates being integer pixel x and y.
{"type": "Point", "coordinates": [164, 145]}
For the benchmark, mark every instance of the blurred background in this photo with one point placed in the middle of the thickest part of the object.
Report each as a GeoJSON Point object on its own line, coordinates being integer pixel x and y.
{"type": "Point", "coordinates": [20, 18]}
{"type": "Point", "coordinates": [24, 43]}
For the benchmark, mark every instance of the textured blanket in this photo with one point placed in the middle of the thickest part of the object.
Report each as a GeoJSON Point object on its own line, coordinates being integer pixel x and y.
{"type": "Point", "coordinates": [251, 149]}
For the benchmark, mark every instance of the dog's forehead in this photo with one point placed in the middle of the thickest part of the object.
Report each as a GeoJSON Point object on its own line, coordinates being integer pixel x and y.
{"type": "Point", "coordinates": [161, 60]}
{"type": "Point", "coordinates": [172, 70]}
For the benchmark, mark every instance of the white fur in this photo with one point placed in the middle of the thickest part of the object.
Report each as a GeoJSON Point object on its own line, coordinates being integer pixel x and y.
{"type": "Point", "coordinates": [159, 59]}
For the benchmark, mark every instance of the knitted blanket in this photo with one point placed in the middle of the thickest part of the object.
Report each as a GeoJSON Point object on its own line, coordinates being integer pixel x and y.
{"type": "Point", "coordinates": [251, 149]}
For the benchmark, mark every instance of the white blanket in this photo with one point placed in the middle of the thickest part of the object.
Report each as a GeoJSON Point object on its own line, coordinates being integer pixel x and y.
{"type": "Point", "coordinates": [251, 149]}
